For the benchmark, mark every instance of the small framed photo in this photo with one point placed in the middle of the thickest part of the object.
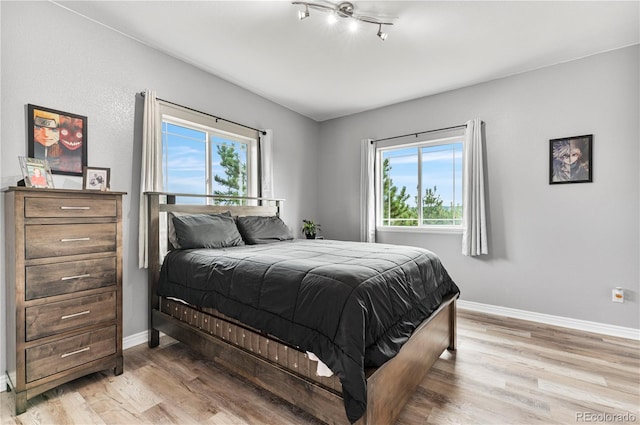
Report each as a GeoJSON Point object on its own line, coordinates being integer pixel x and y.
{"type": "Point", "coordinates": [96, 178]}
{"type": "Point", "coordinates": [36, 173]}
{"type": "Point", "coordinates": [571, 160]}
{"type": "Point", "coordinates": [58, 137]}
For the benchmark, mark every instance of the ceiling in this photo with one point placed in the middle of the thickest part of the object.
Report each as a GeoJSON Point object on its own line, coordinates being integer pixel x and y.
{"type": "Point", "coordinates": [324, 71]}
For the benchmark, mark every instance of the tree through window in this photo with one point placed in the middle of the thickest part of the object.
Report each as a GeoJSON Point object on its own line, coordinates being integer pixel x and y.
{"type": "Point", "coordinates": [420, 184]}
{"type": "Point", "coordinates": [198, 159]}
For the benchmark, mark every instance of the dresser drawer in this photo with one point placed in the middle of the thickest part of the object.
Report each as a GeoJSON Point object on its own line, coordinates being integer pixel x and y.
{"type": "Point", "coordinates": [53, 240]}
{"type": "Point", "coordinates": [72, 276]}
{"type": "Point", "coordinates": [47, 359]}
{"type": "Point", "coordinates": [69, 207]}
{"type": "Point", "coordinates": [52, 318]}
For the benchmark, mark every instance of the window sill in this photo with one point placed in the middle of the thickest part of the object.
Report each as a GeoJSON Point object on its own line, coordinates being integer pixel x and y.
{"type": "Point", "coordinates": [444, 230]}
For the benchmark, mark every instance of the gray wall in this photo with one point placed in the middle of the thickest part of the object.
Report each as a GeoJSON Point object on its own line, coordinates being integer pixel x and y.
{"type": "Point", "coordinates": [556, 250]}
{"type": "Point", "coordinates": [54, 58]}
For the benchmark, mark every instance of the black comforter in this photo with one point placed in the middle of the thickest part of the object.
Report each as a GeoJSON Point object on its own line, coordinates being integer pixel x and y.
{"type": "Point", "coordinates": [352, 304]}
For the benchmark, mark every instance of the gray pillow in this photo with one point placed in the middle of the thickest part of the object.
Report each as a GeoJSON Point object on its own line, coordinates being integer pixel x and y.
{"type": "Point", "coordinates": [206, 231]}
{"type": "Point", "coordinates": [259, 230]}
{"type": "Point", "coordinates": [173, 239]}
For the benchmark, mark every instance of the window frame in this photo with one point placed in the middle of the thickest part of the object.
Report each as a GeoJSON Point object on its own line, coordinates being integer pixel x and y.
{"type": "Point", "coordinates": [427, 140]}
{"type": "Point", "coordinates": [213, 127]}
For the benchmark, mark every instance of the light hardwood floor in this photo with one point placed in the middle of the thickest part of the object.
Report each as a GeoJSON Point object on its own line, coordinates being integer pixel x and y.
{"type": "Point", "coordinates": [505, 371]}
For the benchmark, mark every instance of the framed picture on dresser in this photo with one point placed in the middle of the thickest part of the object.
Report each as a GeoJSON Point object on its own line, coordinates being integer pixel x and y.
{"type": "Point", "coordinates": [96, 178]}
{"type": "Point", "coordinates": [36, 173]}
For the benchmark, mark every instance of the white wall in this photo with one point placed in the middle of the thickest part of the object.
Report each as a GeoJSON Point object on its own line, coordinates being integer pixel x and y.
{"type": "Point", "coordinates": [555, 249]}
{"type": "Point", "coordinates": [54, 58]}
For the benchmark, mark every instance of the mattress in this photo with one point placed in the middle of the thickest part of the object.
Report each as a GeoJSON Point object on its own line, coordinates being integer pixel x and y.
{"type": "Point", "coordinates": [267, 347]}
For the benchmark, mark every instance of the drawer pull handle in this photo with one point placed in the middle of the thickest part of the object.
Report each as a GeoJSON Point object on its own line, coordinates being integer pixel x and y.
{"type": "Point", "coordinates": [74, 208]}
{"type": "Point", "coordinates": [82, 350]}
{"type": "Point", "coordinates": [74, 239]}
{"type": "Point", "coordinates": [70, 316]}
{"type": "Point", "coordinates": [80, 276]}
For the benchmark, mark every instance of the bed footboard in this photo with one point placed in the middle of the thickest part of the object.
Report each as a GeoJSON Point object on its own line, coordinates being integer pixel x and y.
{"type": "Point", "coordinates": [391, 385]}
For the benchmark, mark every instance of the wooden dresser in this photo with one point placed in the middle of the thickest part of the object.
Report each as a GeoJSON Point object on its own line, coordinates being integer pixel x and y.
{"type": "Point", "coordinates": [64, 287]}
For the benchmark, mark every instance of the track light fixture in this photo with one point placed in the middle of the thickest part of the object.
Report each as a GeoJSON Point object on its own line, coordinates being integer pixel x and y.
{"type": "Point", "coordinates": [383, 35]}
{"type": "Point", "coordinates": [303, 14]}
{"type": "Point", "coordinates": [343, 10]}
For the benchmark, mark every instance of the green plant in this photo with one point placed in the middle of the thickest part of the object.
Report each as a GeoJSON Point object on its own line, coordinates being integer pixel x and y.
{"type": "Point", "coordinates": [310, 228]}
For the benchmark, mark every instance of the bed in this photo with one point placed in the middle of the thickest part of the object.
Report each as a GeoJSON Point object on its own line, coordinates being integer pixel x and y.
{"type": "Point", "coordinates": [267, 306]}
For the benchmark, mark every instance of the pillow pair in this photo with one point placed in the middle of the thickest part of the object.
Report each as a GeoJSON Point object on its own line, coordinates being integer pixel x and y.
{"type": "Point", "coordinates": [220, 230]}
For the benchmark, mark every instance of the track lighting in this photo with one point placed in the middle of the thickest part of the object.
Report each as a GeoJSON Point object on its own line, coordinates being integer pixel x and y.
{"type": "Point", "coordinates": [383, 35]}
{"type": "Point", "coordinates": [343, 9]}
{"type": "Point", "coordinates": [303, 15]}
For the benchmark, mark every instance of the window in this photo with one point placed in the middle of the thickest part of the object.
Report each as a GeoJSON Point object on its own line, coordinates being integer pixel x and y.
{"type": "Point", "coordinates": [203, 156]}
{"type": "Point", "coordinates": [420, 184]}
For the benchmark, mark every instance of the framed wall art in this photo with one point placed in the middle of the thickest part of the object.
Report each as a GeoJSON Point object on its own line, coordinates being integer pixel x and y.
{"type": "Point", "coordinates": [60, 138]}
{"type": "Point", "coordinates": [96, 178]}
{"type": "Point", "coordinates": [36, 173]}
{"type": "Point", "coordinates": [571, 160]}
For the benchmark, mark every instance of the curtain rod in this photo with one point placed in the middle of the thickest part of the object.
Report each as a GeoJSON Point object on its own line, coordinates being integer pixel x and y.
{"type": "Point", "coordinates": [208, 114]}
{"type": "Point", "coordinates": [420, 132]}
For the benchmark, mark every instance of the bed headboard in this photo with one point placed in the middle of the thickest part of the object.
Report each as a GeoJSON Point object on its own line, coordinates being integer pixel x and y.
{"type": "Point", "coordinates": [161, 203]}
{"type": "Point", "coordinates": [238, 205]}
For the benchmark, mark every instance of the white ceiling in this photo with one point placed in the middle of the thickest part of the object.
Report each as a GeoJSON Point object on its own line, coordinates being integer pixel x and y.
{"type": "Point", "coordinates": [324, 71]}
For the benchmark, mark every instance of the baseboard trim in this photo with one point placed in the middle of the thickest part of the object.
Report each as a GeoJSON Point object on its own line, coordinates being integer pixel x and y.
{"type": "Point", "coordinates": [135, 339]}
{"type": "Point", "coordinates": [548, 319]}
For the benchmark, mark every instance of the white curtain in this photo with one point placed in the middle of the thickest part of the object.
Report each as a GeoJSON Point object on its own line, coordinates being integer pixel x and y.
{"type": "Point", "coordinates": [367, 191]}
{"type": "Point", "coordinates": [266, 164]}
{"type": "Point", "coordinates": [474, 236]}
{"type": "Point", "coordinates": [150, 168]}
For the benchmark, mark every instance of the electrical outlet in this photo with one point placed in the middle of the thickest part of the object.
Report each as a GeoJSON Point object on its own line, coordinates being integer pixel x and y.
{"type": "Point", "coordinates": [617, 295]}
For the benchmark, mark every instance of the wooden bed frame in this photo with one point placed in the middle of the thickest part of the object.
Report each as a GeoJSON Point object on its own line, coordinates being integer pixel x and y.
{"type": "Point", "coordinates": [389, 387]}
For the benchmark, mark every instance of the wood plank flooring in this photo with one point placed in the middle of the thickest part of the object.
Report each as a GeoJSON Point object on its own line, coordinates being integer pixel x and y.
{"type": "Point", "coordinates": [505, 371]}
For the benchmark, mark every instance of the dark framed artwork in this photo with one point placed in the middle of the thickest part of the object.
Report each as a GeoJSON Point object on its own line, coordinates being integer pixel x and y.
{"type": "Point", "coordinates": [571, 160]}
{"type": "Point", "coordinates": [60, 138]}
{"type": "Point", "coordinates": [96, 178]}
